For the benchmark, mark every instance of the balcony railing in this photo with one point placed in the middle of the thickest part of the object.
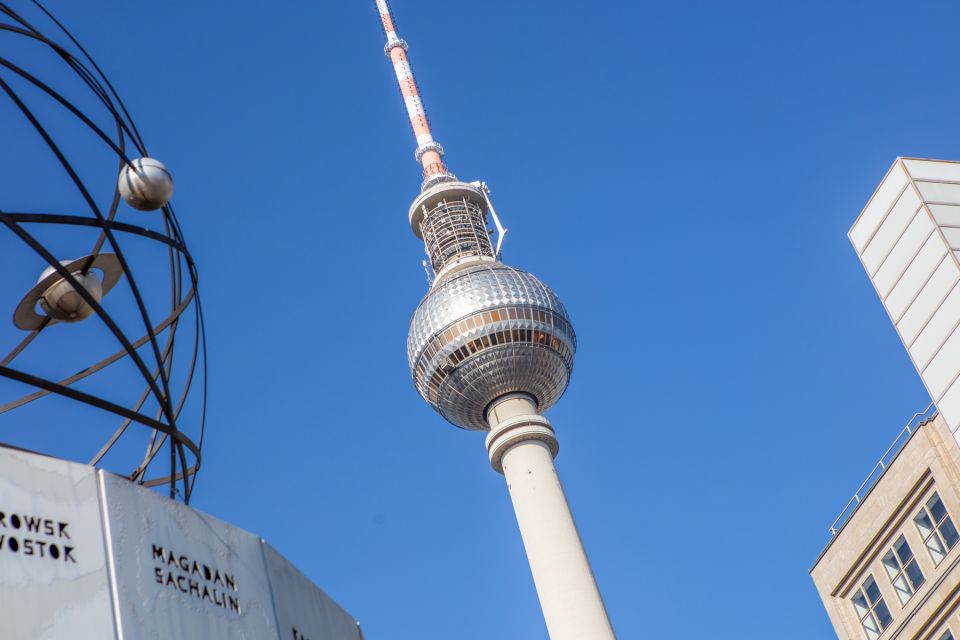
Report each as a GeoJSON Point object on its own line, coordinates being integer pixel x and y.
{"type": "Point", "coordinates": [919, 419]}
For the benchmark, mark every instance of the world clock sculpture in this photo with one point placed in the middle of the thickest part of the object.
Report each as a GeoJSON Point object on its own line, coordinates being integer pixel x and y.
{"type": "Point", "coordinates": [491, 348]}
{"type": "Point", "coordinates": [114, 319]}
{"type": "Point", "coordinates": [105, 361]}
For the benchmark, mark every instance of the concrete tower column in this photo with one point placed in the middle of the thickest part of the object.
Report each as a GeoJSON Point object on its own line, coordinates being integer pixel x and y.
{"type": "Point", "coordinates": [522, 446]}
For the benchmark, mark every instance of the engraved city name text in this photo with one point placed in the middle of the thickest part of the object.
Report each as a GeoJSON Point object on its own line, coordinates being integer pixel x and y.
{"type": "Point", "coordinates": [34, 536]}
{"type": "Point", "coordinates": [195, 579]}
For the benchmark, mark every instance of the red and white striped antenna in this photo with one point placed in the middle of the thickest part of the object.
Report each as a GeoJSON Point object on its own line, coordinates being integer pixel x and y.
{"type": "Point", "coordinates": [429, 153]}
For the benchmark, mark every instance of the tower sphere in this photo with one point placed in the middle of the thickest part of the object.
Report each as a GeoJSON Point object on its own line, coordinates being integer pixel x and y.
{"type": "Point", "coordinates": [486, 331]}
{"type": "Point", "coordinates": [145, 184]}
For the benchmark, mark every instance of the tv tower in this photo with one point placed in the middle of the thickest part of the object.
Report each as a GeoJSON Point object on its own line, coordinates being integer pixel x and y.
{"type": "Point", "coordinates": [491, 348]}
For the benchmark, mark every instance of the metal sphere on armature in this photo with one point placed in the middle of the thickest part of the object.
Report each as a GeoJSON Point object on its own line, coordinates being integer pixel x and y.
{"type": "Point", "coordinates": [58, 300]}
{"type": "Point", "coordinates": [487, 331]}
{"type": "Point", "coordinates": [63, 302]}
{"type": "Point", "coordinates": [145, 184]}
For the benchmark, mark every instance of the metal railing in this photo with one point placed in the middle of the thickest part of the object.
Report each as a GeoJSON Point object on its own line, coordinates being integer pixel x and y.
{"type": "Point", "coordinates": [916, 421]}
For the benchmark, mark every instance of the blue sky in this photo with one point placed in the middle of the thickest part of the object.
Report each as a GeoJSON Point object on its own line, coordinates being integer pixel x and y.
{"type": "Point", "coordinates": [682, 174]}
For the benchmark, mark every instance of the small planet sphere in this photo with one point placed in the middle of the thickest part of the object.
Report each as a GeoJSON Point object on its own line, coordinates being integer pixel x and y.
{"type": "Point", "coordinates": [62, 302]}
{"type": "Point", "coordinates": [145, 184]}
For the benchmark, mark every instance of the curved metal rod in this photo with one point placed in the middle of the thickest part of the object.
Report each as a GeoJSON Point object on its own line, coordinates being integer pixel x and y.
{"type": "Point", "coordinates": [153, 451]}
{"type": "Point", "coordinates": [100, 403]}
{"type": "Point", "coordinates": [141, 469]}
{"type": "Point", "coordinates": [25, 342]}
{"type": "Point", "coordinates": [82, 71]}
{"type": "Point", "coordinates": [93, 254]}
{"type": "Point", "coordinates": [176, 287]}
{"type": "Point", "coordinates": [112, 213]}
{"type": "Point", "coordinates": [153, 447]}
{"type": "Point", "coordinates": [80, 375]}
{"type": "Point", "coordinates": [183, 465]}
{"type": "Point", "coordinates": [164, 399]}
{"type": "Point", "coordinates": [199, 342]}
{"type": "Point", "coordinates": [136, 133]}
{"type": "Point", "coordinates": [89, 299]}
{"type": "Point", "coordinates": [176, 252]}
{"type": "Point", "coordinates": [191, 473]}
{"type": "Point", "coordinates": [176, 283]}
{"type": "Point", "coordinates": [66, 103]}
{"type": "Point", "coordinates": [52, 218]}
{"type": "Point", "coordinates": [119, 148]}
{"type": "Point", "coordinates": [88, 77]}
{"type": "Point", "coordinates": [57, 218]}
{"type": "Point", "coordinates": [146, 456]}
{"type": "Point", "coordinates": [203, 397]}
{"type": "Point", "coordinates": [168, 348]}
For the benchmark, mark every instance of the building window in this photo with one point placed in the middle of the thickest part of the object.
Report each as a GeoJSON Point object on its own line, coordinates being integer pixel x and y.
{"type": "Point", "coordinates": [871, 609]}
{"type": "Point", "coordinates": [902, 569]}
{"type": "Point", "coordinates": [936, 528]}
{"type": "Point", "coordinates": [947, 636]}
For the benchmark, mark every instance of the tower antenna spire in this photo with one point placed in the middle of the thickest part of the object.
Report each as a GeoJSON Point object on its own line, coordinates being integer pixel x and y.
{"type": "Point", "coordinates": [429, 152]}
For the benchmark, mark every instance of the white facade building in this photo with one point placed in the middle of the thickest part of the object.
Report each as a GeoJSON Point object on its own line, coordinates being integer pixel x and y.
{"type": "Point", "coordinates": [908, 240]}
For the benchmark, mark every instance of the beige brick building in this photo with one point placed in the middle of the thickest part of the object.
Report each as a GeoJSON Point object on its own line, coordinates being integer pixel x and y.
{"type": "Point", "coordinates": [892, 567]}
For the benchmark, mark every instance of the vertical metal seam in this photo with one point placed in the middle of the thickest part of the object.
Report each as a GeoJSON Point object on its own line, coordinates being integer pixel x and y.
{"type": "Point", "coordinates": [273, 600]}
{"type": "Point", "coordinates": [108, 552]}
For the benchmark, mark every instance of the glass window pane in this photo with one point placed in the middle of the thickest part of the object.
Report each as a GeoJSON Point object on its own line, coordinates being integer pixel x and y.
{"type": "Point", "coordinates": [871, 627]}
{"type": "Point", "coordinates": [903, 550]}
{"type": "Point", "coordinates": [860, 604]}
{"type": "Point", "coordinates": [924, 524]}
{"type": "Point", "coordinates": [947, 636]}
{"type": "Point", "coordinates": [902, 588]}
{"type": "Point", "coordinates": [949, 532]}
{"type": "Point", "coordinates": [937, 510]}
{"type": "Point", "coordinates": [871, 589]}
{"type": "Point", "coordinates": [891, 565]}
{"type": "Point", "coordinates": [883, 614]}
{"type": "Point", "coordinates": [915, 575]}
{"type": "Point", "coordinates": [935, 547]}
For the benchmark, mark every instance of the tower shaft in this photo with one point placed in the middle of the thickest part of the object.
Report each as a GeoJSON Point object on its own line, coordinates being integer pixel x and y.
{"type": "Point", "coordinates": [522, 447]}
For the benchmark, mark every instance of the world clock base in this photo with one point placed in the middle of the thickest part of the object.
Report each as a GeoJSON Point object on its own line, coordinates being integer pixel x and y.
{"type": "Point", "coordinates": [87, 554]}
